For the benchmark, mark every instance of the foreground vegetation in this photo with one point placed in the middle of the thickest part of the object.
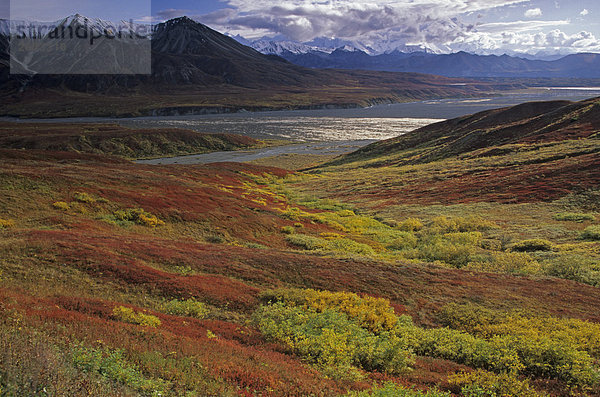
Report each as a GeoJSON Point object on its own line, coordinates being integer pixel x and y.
{"type": "Point", "coordinates": [235, 279]}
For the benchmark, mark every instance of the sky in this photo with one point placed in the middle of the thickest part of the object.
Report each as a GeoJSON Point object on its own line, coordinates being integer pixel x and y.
{"type": "Point", "coordinates": [479, 26]}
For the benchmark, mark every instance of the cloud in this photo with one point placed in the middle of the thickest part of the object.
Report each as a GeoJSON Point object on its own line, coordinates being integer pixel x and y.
{"type": "Point", "coordinates": [519, 26]}
{"type": "Point", "coordinates": [555, 41]}
{"type": "Point", "coordinates": [381, 25]}
{"type": "Point", "coordinates": [171, 13]}
{"type": "Point", "coordinates": [303, 20]}
{"type": "Point", "coordinates": [533, 12]}
{"type": "Point", "coordinates": [584, 12]}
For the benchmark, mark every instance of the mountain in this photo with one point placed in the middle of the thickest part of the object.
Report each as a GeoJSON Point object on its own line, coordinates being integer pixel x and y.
{"type": "Point", "coordinates": [196, 69]}
{"type": "Point", "coordinates": [460, 64]}
{"type": "Point", "coordinates": [328, 45]}
{"type": "Point", "coordinates": [188, 52]}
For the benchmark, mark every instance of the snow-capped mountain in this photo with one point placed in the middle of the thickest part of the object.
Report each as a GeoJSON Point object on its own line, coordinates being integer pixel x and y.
{"type": "Point", "coordinates": [329, 45]}
{"type": "Point", "coordinates": [281, 47]}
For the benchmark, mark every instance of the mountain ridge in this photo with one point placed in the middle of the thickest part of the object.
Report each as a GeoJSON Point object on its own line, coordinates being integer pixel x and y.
{"type": "Point", "coordinates": [458, 64]}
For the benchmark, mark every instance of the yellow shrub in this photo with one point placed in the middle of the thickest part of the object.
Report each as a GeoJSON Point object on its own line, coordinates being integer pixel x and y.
{"type": "Point", "coordinates": [345, 213]}
{"type": "Point", "coordinates": [328, 235]}
{"type": "Point", "coordinates": [139, 216]}
{"type": "Point", "coordinates": [84, 197]}
{"type": "Point", "coordinates": [60, 205]}
{"type": "Point", "coordinates": [6, 223]}
{"type": "Point", "coordinates": [128, 315]}
{"type": "Point", "coordinates": [374, 314]}
{"type": "Point", "coordinates": [411, 225]}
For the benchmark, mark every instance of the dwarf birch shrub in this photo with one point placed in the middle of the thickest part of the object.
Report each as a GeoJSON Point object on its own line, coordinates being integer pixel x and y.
{"type": "Point", "coordinates": [189, 308]}
{"type": "Point", "coordinates": [482, 383]}
{"type": "Point", "coordinates": [591, 233]}
{"type": "Point", "coordinates": [574, 217]}
{"type": "Point", "coordinates": [391, 389]}
{"type": "Point", "coordinates": [374, 314]}
{"type": "Point", "coordinates": [330, 340]}
{"type": "Point", "coordinates": [128, 315]}
{"type": "Point", "coordinates": [537, 244]}
{"type": "Point", "coordinates": [6, 223]}
{"type": "Point", "coordinates": [138, 216]}
{"type": "Point", "coordinates": [113, 365]}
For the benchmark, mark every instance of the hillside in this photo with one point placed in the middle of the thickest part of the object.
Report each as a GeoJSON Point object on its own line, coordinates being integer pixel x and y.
{"type": "Point", "coordinates": [114, 140]}
{"type": "Point", "coordinates": [198, 70]}
{"type": "Point", "coordinates": [482, 134]}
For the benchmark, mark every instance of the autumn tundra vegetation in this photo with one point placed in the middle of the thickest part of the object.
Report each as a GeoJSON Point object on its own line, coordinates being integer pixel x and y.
{"type": "Point", "coordinates": [461, 259]}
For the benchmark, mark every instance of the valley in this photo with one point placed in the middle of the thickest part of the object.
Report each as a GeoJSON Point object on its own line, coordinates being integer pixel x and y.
{"type": "Point", "coordinates": [233, 224]}
{"type": "Point", "coordinates": [178, 275]}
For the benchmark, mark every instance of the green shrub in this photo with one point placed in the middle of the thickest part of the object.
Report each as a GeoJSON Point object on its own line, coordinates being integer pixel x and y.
{"type": "Point", "coordinates": [288, 230]}
{"type": "Point", "coordinates": [345, 213]}
{"type": "Point", "coordinates": [438, 248]}
{"type": "Point", "coordinates": [189, 307]}
{"type": "Point", "coordinates": [576, 267]}
{"type": "Point", "coordinates": [340, 244]}
{"type": "Point", "coordinates": [332, 341]}
{"type": "Point", "coordinates": [591, 233]}
{"type": "Point", "coordinates": [307, 242]}
{"type": "Point", "coordinates": [347, 245]}
{"type": "Point", "coordinates": [482, 383]}
{"type": "Point", "coordinates": [113, 365]}
{"type": "Point", "coordinates": [444, 224]}
{"type": "Point", "coordinates": [128, 315]}
{"type": "Point", "coordinates": [496, 354]}
{"type": "Point", "coordinates": [537, 244]}
{"type": "Point", "coordinates": [390, 389]}
{"type": "Point", "coordinates": [574, 217]}
{"type": "Point", "coordinates": [214, 238]}
{"type": "Point", "coordinates": [402, 241]}
{"type": "Point", "coordinates": [545, 346]}
{"type": "Point", "coordinates": [506, 262]}
{"type": "Point", "coordinates": [463, 238]}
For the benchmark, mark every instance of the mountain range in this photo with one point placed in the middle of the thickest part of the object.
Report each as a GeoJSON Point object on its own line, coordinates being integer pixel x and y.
{"type": "Point", "coordinates": [460, 64]}
{"type": "Point", "coordinates": [197, 69]}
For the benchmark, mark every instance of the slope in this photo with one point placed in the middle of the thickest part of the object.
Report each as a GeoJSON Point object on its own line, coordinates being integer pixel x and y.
{"type": "Point", "coordinates": [480, 134]}
{"type": "Point", "coordinates": [87, 239]}
{"type": "Point", "coordinates": [112, 139]}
